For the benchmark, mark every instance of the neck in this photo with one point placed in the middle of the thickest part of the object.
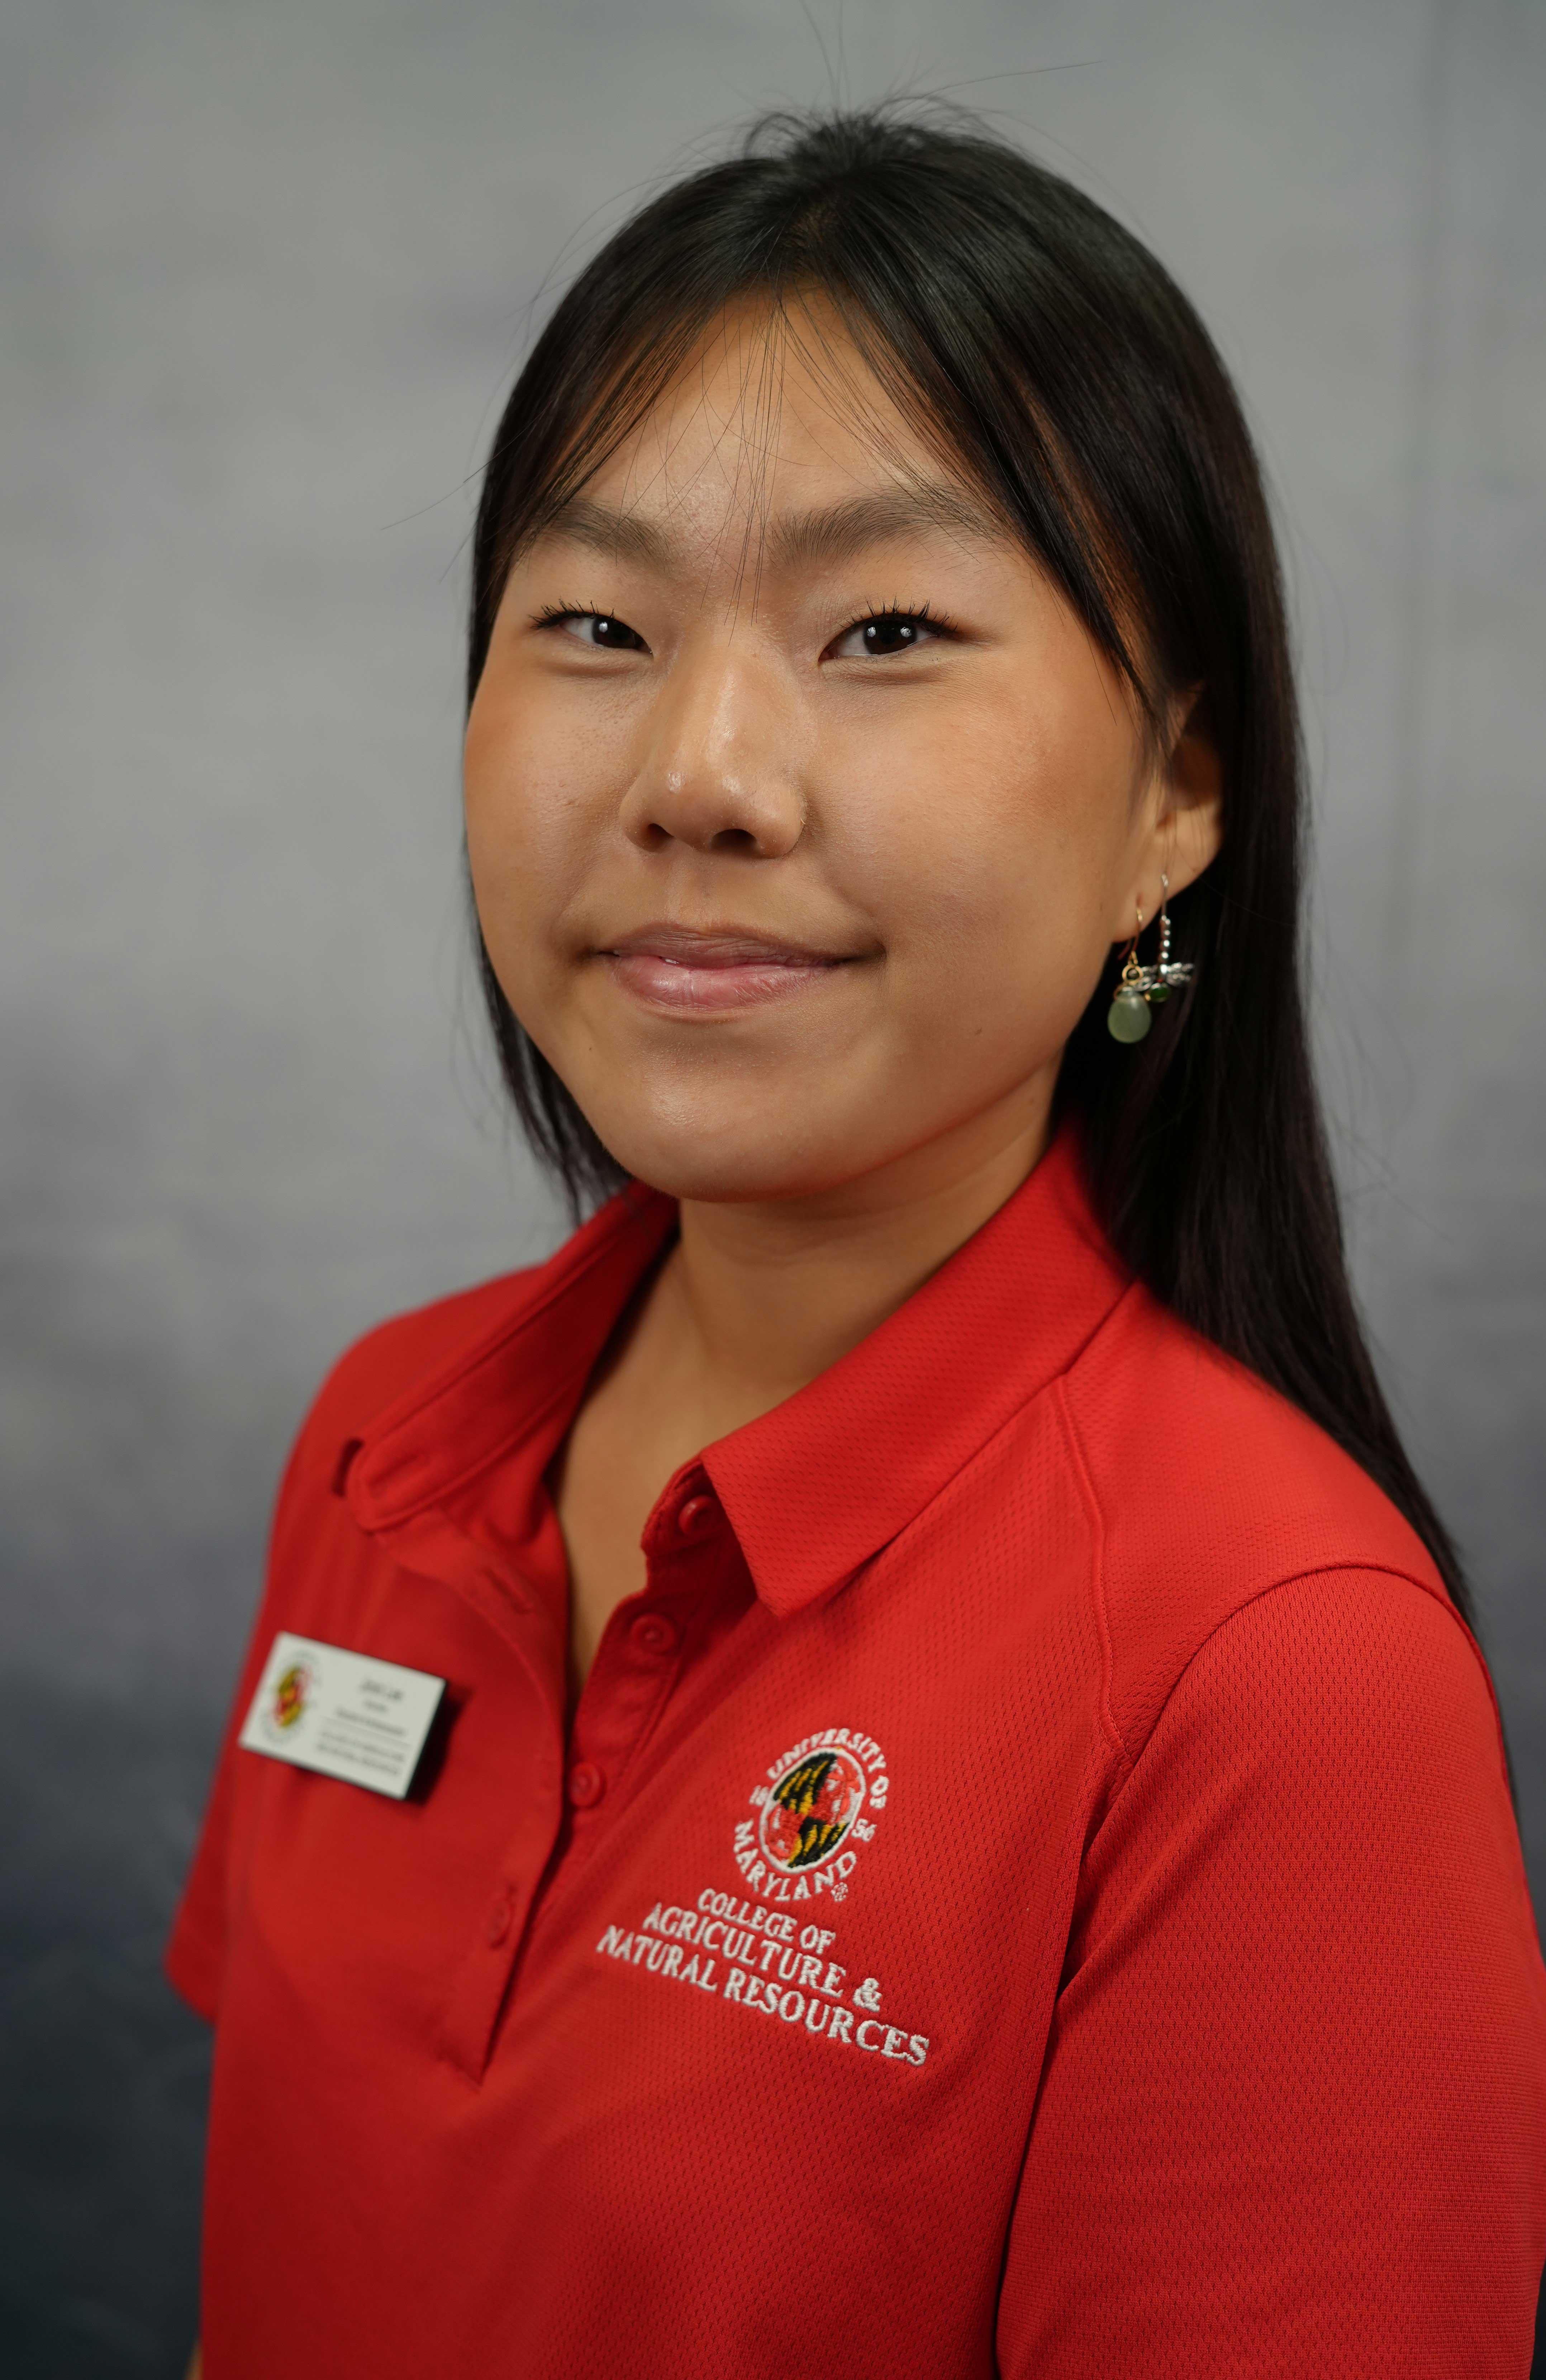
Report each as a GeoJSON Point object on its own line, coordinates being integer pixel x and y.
{"type": "Point", "coordinates": [761, 1297]}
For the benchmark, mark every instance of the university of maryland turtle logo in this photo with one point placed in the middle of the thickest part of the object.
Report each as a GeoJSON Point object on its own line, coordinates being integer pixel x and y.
{"type": "Point", "coordinates": [291, 1693]}
{"type": "Point", "coordinates": [817, 1807]}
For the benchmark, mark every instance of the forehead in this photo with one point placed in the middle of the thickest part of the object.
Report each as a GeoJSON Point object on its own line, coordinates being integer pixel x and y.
{"type": "Point", "coordinates": [774, 414]}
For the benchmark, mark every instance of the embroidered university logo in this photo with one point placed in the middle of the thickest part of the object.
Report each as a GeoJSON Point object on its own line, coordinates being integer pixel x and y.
{"type": "Point", "coordinates": [811, 1809]}
{"type": "Point", "coordinates": [817, 1807]}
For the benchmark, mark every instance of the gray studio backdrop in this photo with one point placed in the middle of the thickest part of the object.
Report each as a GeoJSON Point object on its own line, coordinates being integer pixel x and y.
{"type": "Point", "coordinates": [269, 265]}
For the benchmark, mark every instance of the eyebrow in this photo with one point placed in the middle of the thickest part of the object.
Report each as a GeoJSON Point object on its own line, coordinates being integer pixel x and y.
{"type": "Point", "coordinates": [835, 533]}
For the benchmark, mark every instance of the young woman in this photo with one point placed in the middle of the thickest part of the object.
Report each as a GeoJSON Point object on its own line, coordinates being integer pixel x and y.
{"type": "Point", "coordinates": [966, 1827]}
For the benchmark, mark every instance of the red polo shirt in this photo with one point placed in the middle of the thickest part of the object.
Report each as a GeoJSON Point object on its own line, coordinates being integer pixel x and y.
{"type": "Point", "coordinates": [1029, 1887]}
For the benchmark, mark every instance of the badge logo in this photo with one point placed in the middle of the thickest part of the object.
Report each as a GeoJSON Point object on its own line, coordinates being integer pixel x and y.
{"type": "Point", "coordinates": [816, 1808]}
{"type": "Point", "coordinates": [292, 1692]}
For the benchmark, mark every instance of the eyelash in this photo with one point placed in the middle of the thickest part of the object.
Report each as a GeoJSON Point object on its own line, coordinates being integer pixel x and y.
{"type": "Point", "coordinates": [896, 611]}
{"type": "Point", "coordinates": [553, 615]}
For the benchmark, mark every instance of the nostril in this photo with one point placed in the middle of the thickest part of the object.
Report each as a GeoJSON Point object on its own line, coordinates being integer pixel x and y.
{"type": "Point", "coordinates": [733, 838]}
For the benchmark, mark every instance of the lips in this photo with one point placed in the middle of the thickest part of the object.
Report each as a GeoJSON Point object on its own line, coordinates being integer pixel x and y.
{"type": "Point", "coordinates": [677, 971]}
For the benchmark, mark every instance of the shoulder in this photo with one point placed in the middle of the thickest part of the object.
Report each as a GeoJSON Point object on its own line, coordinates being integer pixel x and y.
{"type": "Point", "coordinates": [1207, 1491]}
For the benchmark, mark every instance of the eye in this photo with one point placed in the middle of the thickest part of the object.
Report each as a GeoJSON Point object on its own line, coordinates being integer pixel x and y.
{"type": "Point", "coordinates": [598, 630]}
{"type": "Point", "coordinates": [883, 634]}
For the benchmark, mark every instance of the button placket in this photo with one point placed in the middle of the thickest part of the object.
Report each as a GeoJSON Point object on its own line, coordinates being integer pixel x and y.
{"type": "Point", "coordinates": [630, 1679]}
{"type": "Point", "coordinates": [638, 1672]}
{"type": "Point", "coordinates": [652, 1633]}
{"type": "Point", "coordinates": [696, 1517]}
{"type": "Point", "coordinates": [477, 1994]}
{"type": "Point", "coordinates": [470, 2014]}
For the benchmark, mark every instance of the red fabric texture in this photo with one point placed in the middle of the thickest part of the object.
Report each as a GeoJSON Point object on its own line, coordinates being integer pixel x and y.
{"type": "Point", "coordinates": [1035, 1893]}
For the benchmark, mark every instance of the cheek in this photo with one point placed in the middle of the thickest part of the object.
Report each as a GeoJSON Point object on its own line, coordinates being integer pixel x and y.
{"type": "Point", "coordinates": [530, 799]}
{"type": "Point", "coordinates": [987, 857]}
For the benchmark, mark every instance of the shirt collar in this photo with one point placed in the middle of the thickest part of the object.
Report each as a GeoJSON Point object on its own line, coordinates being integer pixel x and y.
{"type": "Point", "coordinates": [816, 1487]}
{"type": "Point", "coordinates": [513, 1388]}
{"type": "Point", "coordinates": [821, 1483]}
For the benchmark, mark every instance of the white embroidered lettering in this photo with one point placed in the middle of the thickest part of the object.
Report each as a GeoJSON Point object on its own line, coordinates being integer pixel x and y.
{"type": "Point", "coordinates": [771, 1962]}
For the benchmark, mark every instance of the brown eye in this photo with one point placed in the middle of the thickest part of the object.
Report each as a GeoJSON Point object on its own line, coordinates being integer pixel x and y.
{"type": "Point", "coordinates": [889, 636]}
{"type": "Point", "coordinates": [883, 634]}
{"type": "Point", "coordinates": [602, 633]}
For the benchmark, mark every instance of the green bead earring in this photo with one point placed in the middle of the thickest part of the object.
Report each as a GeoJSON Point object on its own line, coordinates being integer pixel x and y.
{"type": "Point", "coordinates": [1127, 1019]}
{"type": "Point", "coordinates": [1141, 989]}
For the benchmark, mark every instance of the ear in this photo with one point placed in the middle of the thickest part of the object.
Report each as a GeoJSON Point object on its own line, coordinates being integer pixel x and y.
{"type": "Point", "coordinates": [1191, 820]}
{"type": "Point", "coordinates": [1181, 825]}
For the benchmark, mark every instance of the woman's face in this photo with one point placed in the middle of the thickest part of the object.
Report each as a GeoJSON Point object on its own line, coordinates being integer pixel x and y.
{"type": "Point", "coordinates": [801, 808]}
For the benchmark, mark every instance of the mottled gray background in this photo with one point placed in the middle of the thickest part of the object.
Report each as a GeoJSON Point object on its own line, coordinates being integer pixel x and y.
{"type": "Point", "coordinates": [268, 267]}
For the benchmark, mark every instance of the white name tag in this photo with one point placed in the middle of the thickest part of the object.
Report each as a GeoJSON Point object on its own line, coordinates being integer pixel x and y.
{"type": "Point", "coordinates": [342, 1714]}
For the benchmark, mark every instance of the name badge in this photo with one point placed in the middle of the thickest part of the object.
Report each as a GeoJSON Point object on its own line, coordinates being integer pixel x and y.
{"type": "Point", "coordinates": [342, 1714]}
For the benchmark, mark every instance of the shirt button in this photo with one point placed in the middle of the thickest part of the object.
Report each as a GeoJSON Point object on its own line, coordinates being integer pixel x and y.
{"type": "Point", "coordinates": [586, 1784]}
{"type": "Point", "coordinates": [696, 1517]}
{"type": "Point", "coordinates": [499, 1920]}
{"type": "Point", "coordinates": [652, 1633]}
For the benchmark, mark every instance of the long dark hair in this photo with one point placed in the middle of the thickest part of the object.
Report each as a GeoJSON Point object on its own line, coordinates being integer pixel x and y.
{"type": "Point", "coordinates": [1043, 348]}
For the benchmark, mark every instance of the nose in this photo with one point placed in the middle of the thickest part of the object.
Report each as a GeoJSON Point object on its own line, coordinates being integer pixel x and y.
{"type": "Point", "coordinates": [717, 773]}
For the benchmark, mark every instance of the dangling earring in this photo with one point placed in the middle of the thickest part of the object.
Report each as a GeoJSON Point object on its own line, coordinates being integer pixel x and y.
{"type": "Point", "coordinates": [1127, 1019]}
{"type": "Point", "coordinates": [1139, 988]}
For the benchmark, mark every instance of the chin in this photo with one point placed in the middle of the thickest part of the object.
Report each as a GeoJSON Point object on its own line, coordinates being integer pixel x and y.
{"type": "Point", "coordinates": [727, 1160]}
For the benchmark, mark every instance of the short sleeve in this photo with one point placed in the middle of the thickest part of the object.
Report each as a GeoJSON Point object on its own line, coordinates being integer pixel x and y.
{"type": "Point", "coordinates": [195, 1952]}
{"type": "Point", "coordinates": [1293, 2114]}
